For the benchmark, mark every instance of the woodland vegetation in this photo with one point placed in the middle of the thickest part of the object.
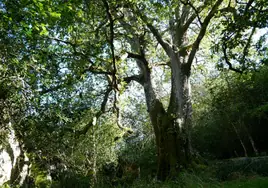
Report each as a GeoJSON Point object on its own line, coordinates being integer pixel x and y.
{"type": "Point", "coordinates": [134, 93]}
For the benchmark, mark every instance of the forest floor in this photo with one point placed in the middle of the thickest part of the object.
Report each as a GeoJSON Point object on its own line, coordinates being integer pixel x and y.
{"type": "Point", "coordinates": [260, 182]}
{"type": "Point", "coordinates": [253, 182]}
{"type": "Point", "coordinates": [246, 172]}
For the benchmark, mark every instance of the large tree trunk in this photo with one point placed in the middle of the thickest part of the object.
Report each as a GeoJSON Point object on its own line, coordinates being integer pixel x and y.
{"type": "Point", "coordinates": [172, 136]}
{"type": "Point", "coordinates": [167, 140]}
{"type": "Point", "coordinates": [171, 126]}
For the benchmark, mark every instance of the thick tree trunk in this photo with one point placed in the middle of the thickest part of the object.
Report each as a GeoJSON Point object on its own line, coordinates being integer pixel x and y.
{"type": "Point", "coordinates": [173, 143]}
{"type": "Point", "coordinates": [166, 140]}
{"type": "Point", "coordinates": [172, 132]}
{"type": "Point", "coordinates": [186, 109]}
{"type": "Point", "coordinates": [15, 176]}
{"type": "Point", "coordinates": [171, 126]}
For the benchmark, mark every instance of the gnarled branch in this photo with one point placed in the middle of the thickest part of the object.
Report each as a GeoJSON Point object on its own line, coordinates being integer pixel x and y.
{"type": "Point", "coordinates": [227, 60]}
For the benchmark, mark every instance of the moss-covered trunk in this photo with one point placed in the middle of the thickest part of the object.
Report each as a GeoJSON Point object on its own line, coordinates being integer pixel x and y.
{"type": "Point", "coordinates": [171, 146]}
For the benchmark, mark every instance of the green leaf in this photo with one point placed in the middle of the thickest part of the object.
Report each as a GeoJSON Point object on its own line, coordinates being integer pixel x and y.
{"type": "Point", "coordinates": [55, 15]}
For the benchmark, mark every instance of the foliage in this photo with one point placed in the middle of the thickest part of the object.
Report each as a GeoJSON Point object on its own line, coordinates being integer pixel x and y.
{"type": "Point", "coordinates": [240, 49]}
{"type": "Point", "coordinates": [234, 168]}
{"type": "Point", "coordinates": [231, 112]}
{"type": "Point", "coordinates": [65, 66]}
{"type": "Point", "coordinates": [193, 181]}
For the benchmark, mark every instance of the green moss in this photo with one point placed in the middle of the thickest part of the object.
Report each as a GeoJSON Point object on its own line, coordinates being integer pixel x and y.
{"type": "Point", "coordinates": [41, 181]}
{"type": "Point", "coordinates": [40, 177]}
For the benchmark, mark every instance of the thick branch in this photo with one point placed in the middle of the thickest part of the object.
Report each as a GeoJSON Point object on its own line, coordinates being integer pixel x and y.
{"type": "Point", "coordinates": [137, 78]}
{"type": "Point", "coordinates": [104, 102]}
{"type": "Point", "coordinates": [135, 56]}
{"type": "Point", "coordinates": [62, 41]}
{"type": "Point", "coordinates": [111, 20]}
{"type": "Point", "coordinates": [95, 70]}
{"type": "Point", "coordinates": [115, 84]}
{"type": "Point", "coordinates": [202, 33]}
{"type": "Point", "coordinates": [193, 16]}
{"type": "Point", "coordinates": [245, 51]}
{"type": "Point", "coordinates": [45, 91]}
{"type": "Point", "coordinates": [229, 9]}
{"type": "Point", "coordinates": [73, 45]}
{"type": "Point", "coordinates": [143, 65]}
{"type": "Point", "coordinates": [156, 34]}
{"type": "Point", "coordinates": [195, 10]}
{"type": "Point", "coordinates": [248, 5]}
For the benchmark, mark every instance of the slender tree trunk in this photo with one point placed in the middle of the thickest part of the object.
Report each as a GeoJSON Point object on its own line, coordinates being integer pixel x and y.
{"type": "Point", "coordinates": [253, 145]}
{"type": "Point", "coordinates": [251, 141]}
{"type": "Point", "coordinates": [94, 157]}
{"type": "Point", "coordinates": [241, 141]}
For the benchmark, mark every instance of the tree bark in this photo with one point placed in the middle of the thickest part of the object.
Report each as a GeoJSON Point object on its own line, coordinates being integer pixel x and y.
{"type": "Point", "coordinates": [172, 135]}
{"type": "Point", "coordinates": [167, 141]}
{"type": "Point", "coordinates": [17, 169]}
{"type": "Point", "coordinates": [171, 126]}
